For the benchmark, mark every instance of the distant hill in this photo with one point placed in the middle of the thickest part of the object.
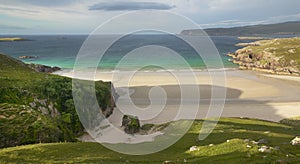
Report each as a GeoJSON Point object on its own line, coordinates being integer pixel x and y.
{"type": "Point", "coordinates": [287, 28]}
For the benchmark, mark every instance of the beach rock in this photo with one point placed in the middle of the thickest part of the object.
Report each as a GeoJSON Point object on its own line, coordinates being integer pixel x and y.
{"type": "Point", "coordinates": [28, 57]}
{"type": "Point", "coordinates": [296, 141]}
{"type": "Point", "coordinates": [247, 44]}
{"type": "Point", "coordinates": [43, 68]}
{"type": "Point", "coordinates": [131, 124]}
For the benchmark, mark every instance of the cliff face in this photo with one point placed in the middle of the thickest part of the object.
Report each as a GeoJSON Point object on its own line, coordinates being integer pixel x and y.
{"type": "Point", "coordinates": [43, 68]}
{"type": "Point", "coordinates": [277, 56]}
{"type": "Point", "coordinates": [39, 107]}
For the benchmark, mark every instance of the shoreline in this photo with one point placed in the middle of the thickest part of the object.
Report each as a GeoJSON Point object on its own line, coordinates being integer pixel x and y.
{"type": "Point", "coordinates": [264, 96]}
{"type": "Point", "coordinates": [268, 56]}
{"type": "Point", "coordinates": [267, 98]}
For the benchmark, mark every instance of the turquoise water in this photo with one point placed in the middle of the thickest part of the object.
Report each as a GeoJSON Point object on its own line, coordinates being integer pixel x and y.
{"type": "Point", "coordinates": [61, 51]}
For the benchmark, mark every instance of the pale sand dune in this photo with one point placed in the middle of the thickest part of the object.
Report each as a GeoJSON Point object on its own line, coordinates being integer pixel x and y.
{"type": "Point", "coordinates": [249, 94]}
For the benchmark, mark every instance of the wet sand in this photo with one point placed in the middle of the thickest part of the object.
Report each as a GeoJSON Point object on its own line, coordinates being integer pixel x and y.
{"type": "Point", "coordinates": [248, 94]}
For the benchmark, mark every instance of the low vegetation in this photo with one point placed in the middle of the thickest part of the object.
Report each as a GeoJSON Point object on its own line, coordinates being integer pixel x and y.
{"type": "Point", "coordinates": [280, 56]}
{"type": "Point", "coordinates": [232, 141]}
{"type": "Point", "coordinates": [295, 121]}
{"type": "Point", "coordinates": [38, 107]}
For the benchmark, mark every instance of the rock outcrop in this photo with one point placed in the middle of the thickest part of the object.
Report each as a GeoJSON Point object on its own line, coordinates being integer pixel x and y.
{"type": "Point", "coordinates": [246, 44]}
{"type": "Point", "coordinates": [277, 56]}
{"type": "Point", "coordinates": [45, 106]}
{"type": "Point", "coordinates": [296, 141]}
{"type": "Point", "coordinates": [131, 124]}
{"type": "Point", "coordinates": [43, 68]}
{"type": "Point", "coordinates": [28, 57]}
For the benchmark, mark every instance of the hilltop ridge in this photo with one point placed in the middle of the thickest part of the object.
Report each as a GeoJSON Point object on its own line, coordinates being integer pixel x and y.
{"type": "Point", "coordinates": [286, 28]}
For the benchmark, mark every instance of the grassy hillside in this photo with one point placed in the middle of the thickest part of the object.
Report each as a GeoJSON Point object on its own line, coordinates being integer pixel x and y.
{"type": "Point", "coordinates": [280, 56]}
{"type": "Point", "coordinates": [287, 28]}
{"type": "Point", "coordinates": [287, 49]}
{"type": "Point", "coordinates": [38, 107]}
{"type": "Point", "coordinates": [233, 142]}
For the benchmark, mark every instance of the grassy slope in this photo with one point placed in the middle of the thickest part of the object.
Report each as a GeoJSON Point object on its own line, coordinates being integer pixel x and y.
{"type": "Point", "coordinates": [21, 123]}
{"type": "Point", "coordinates": [234, 151]}
{"type": "Point", "coordinates": [12, 70]}
{"type": "Point", "coordinates": [15, 76]}
{"type": "Point", "coordinates": [280, 48]}
{"type": "Point", "coordinates": [281, 55]}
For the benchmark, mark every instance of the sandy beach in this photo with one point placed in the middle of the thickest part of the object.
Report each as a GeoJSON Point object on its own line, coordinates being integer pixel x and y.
{"type": "Point", "coordinates": [249, 94]}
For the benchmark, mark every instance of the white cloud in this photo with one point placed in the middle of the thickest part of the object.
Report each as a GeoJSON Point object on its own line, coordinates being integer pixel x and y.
{"type": "Point", "coordinates": [234, 23]}
{"type": "Point", "coordinates": [60, 15]}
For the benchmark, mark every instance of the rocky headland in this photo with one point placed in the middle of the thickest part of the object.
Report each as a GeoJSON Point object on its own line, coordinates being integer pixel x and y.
{"type": "Point", "coordinates": [37, 107]}
{"type": "Point", "coordinates": [43, 68]}
{"type": "Point", "coordinates": [276, 56]}
{"type": "Point", "coordinates": [12, 39]}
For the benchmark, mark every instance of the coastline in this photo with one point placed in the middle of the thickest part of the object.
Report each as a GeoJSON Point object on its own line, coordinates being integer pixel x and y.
{"type": "Point", "coordinates": [276, 56]}
{"type": "Point", "coordinates": [249, 94]}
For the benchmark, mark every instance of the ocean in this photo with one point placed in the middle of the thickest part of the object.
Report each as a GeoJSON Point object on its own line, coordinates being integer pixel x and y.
{"type": "Point", "coordinates": [61, 50]}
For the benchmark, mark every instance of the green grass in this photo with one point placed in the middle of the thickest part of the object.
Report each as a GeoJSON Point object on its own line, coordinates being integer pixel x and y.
{"type": "Point", "coordinates": [288, 49]}
{"type": "Point", "coordinates": [235, 151]}
{"type": "Point", "coordinates": [295, 121]}
{"type": "Point", "coordinates": [22, 123]}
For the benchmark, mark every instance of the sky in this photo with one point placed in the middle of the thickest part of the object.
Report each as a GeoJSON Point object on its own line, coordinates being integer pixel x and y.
{"type": "Point", "coordinates": [83, 16]}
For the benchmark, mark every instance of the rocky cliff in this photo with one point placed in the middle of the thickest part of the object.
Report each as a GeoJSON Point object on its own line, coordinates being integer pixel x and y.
{"type": "Point", "coordinates": [43, 68]}
{"type": "Point", "coordinates": [277, 56]}
{"type": "Point", "coordinates": [39, 107]}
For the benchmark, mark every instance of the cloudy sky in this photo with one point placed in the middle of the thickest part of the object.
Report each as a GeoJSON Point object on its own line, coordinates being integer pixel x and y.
{"type": "Point", "coordinates": [83, 16]}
